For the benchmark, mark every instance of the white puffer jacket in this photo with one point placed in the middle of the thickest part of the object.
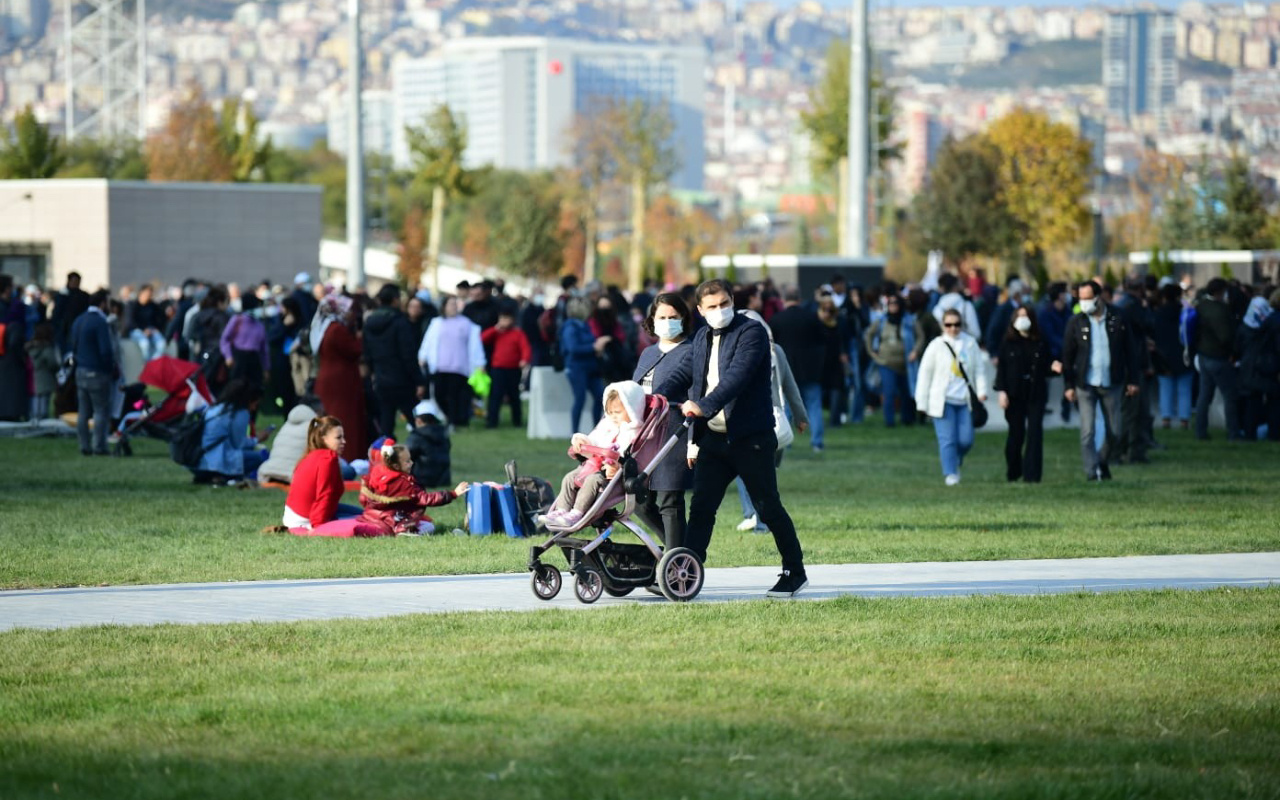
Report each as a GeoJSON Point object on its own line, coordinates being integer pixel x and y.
{"type": "Point", "coordinates": [935, 372]}
{"type": "Point", "coordinates": [289, 445]}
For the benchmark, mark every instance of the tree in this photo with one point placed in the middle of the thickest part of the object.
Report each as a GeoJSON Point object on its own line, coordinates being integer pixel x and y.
{"type": "Point", "coordinates": [1245, 213]}
{"type": "Point", "coordinates": [639, 137]}
{"type": "Point", "coordinates": [120, 158]}
{"type": "Point", "coordinates": [29, 151]}
{"type": "Point", "coordinates": [528, 241]}
{"type": "Point", "coordinates": [438, 147]}
{"type": "Point", "coordinates": [412, 242]}
{"type": "Point", "coordinates": [586, 182]}
{"type": "Point", "coordinates": [190, 148]}
{"type": "Point", "coordinates": [1044, 170]}
{"type": "Point", "coordinates": [238, 139]}
{"type": "Point", "coordinates": [1178, 226]}
{"type": "Point", "coordinates": [962, 210]}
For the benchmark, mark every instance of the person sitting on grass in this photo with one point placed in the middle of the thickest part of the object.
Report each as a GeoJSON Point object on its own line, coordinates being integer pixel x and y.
{"type": "Point", "coordinates": [429, 446]}
{"type": "Point", "coordinates": [312, 507]}
{"type": "Point", "coordinates": [393, 500]}
{"type": "Point", "coordinates": [623, 410]}
{"type": "Point", "coordinates": [231, 454]}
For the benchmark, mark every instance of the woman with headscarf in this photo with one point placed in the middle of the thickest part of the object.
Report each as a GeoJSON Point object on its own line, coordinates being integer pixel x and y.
{"type": "Point", "coordinates": [338, 382]}
{"type": "Point", "coordinates": [1259, 364]}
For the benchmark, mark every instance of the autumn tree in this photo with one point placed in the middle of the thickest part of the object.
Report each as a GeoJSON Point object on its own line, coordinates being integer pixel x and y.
{"type": "Point", "coordinates": [585, 183]}
{"type": "Point", "coordinates": [1044, 171]}
{"type": "Point", "coordinates": [438, 147]}
{"type": "Point", "coordinates": [961, 211]}
{"type": "Point", "coordinates": [29, 150]}
{"type": "Point", "coordinates": [190, 148]}
{"type": "Point", "coordinates": [413, 241]}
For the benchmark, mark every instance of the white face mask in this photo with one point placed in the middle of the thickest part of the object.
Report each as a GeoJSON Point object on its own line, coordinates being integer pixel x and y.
{"type": "Point", "coordinates": [718, 318]}
{"type": "Point", "coordinates": [1022, 324]}
{"type": "Point", "coordinates": [1088, 306]}
{"type": "Point", "coordinates": [668, 328]}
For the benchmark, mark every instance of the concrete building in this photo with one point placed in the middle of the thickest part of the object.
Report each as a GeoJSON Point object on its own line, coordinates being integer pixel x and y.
{"type": "Point", "coordinates": [1139, 63]}
{"type": "Point", "coordinates": [378, 112]}
{"type": "Point", "coordinates": [117, 233]}
{"type": "Point", "coordinates": [518, 96]}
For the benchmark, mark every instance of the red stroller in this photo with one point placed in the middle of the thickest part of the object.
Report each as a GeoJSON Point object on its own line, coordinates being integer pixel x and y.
{"type": "Point", "coordinates": [600, 565]}
{"type": "Point", "coordinates": [186, 391]}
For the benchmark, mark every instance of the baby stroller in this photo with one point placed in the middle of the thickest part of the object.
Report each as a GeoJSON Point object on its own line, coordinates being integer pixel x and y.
{"type": "Point", "coordinates": [602, 566]}
{"type": "Point", "coordinates": [186, 392]}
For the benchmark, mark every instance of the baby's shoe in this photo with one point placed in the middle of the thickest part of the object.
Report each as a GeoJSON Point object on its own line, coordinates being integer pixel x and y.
{"type": "Point", "coordinates": [571, 517]}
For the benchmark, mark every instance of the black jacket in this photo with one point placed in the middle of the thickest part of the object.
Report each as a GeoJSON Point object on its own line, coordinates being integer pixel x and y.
{"type": "Point", "coordinates": [1168, 356]}
{"type": "Point", "coordinates": [1215, 329]}
{"type": "Point", "coordinates": [391, 350]}
{"type": "Point", "coordinates": [1124, 346]}
{"type": "Point", "coordinates": [1022, 370]}
{"type": "Point", "coordinates": [429, 445]}
{"type": "Point", "coordinates": [1259, 350]}
{"type": "Point", "coordinates": [803, 338]}
{"type": "Point", "coordinates": [746, 383]}
{"type": "Point", "coordinates": [672, 374]}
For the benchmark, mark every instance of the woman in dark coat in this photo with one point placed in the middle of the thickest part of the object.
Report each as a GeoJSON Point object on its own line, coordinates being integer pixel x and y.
{"type": "Point", "coordinates": [1173, 376]}
{"type": "Point", "coordinates": [664, 368]}
{"type": "Point", "coordinates": [338, 382]}
{"type": "Point", "coordinates": [15, 402]}
{"type": "Point", "coordinates": [1022, 379]}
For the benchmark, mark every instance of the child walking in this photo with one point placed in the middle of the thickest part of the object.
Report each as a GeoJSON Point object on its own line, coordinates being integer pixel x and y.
{"type": "Point", "coordinates": [393, 500]}
{"type": "Point", "coordinates": [44, 365]}
{"type": "Point", "coordinates": [623, 410]}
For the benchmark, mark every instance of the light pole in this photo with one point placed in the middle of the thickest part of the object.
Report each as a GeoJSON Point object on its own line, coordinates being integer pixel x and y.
{"type": "Point", "coordinates": [355, 156]}
{"type": "Point", "coordinates": [859, 143]}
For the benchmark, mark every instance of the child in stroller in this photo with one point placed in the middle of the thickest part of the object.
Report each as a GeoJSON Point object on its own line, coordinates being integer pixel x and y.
{"type": "Point", "coordinates": [600, 565]}
{"type": "Point", "coordinates": [600, 449]}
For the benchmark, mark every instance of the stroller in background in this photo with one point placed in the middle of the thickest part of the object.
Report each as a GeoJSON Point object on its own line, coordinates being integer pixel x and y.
{"type": "Point", "coordinates": [602, 566]}
{"type": "Point", "coordinates": [186, 392]}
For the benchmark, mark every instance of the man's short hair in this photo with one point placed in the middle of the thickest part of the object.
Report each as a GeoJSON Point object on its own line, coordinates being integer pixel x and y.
{"type": "Point", "coordinates": [568, 282]}
{"type": "Point", "coordinates": [98, 298]}
{"type": "Point", "coordinates": [948, 283]}
{"type": "Point", "coordinates": [1216, 287]}
{"type": "Point", "coordinates": [713, 286]}
{"type": "Point", "coordinates": [1097, 289]}
{"type": "Point", "coordinates": [388, 294]}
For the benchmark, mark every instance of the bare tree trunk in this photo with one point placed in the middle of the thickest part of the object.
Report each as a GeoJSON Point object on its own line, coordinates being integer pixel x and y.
{"type": "Point", "coordinates": [635, 261]}
{"type": "Point", "coordinates": [591, 227]}
{"type": "Point", "coordinates": [433, 242]}
{"type": "Point", "coordinates": [842, 206]}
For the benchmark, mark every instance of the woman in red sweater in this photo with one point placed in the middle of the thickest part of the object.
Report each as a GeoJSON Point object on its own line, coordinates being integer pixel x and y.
{"type": "Point", "coordinates": [312, 507]}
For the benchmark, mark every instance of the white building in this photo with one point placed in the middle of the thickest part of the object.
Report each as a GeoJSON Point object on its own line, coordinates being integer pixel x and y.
{"type": "Point", "coordinates": [518, 96]}
{"type": "Point", "coordinates": [378, 115]}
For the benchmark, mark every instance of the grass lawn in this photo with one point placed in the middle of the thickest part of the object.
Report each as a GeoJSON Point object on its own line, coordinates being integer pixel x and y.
{"type": "Point", "coordinates": [875, 495]}
{"type": "Point", "coordinates": [1163, 694]}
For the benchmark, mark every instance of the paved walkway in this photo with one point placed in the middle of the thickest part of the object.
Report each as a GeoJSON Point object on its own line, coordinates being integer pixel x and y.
{"type": "Point", "coordinates": [281, 601]}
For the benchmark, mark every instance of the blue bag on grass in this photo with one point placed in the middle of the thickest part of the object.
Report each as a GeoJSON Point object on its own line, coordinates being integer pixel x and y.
{"type": "Point", "coordinates": [509, 511]}
{"type": "Point", "coordinates": [480, 510]}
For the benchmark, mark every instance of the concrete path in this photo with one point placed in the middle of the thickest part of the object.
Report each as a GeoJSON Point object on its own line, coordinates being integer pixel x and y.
{"type": "Point", "coordinates": [282, 601]}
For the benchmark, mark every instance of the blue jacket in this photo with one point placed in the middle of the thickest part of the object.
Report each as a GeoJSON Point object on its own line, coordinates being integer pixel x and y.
{"type": "Point", "coordinates": [225, 440]}
{"type": "Point", "coordinates": [1053, 326]}
{"type": "Point", "coordinates": [671, 376]}
{"type": "Point", "coordinates": [745, 380]}
{"type": "Point", "coordinates": [91, 342]}
{"type": "Point", "coordinates": [578, 347]}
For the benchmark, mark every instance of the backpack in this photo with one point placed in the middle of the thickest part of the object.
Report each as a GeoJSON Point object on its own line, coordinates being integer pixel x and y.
{"type": "Point", "coordinates": [534, 495]}
{"type": "Point", "coordinates": [186, 446]}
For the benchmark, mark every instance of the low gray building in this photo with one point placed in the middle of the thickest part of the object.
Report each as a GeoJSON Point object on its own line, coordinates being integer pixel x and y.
{"type": "Point", "coordinates": [118, 233]}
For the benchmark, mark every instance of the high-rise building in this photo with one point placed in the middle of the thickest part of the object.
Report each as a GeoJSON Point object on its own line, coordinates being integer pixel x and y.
{"type": "Point", "coordinates": [378, 122]}
{"type": "Point", "coordinates": [519, 96]}
{"type": "Point", "coordinates": [1139, 63]}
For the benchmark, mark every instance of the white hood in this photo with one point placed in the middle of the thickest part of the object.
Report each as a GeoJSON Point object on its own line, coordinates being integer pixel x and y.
{"type": "Point", "coordinates": [632, 396]}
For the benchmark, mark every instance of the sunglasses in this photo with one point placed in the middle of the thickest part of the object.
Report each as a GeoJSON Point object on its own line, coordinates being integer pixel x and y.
{"type": "Point", "coordinates": [951, 324]}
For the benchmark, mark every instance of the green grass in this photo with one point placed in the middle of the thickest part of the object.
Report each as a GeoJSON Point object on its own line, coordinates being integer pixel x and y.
{"type": "Point", "coordinates": [876, 495]}
{"type": "Point", "coordinates": [1163, 694]}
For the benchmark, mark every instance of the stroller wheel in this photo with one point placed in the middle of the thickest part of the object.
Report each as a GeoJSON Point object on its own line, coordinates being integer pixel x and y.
{"type": "Point", "coordinates": [680, 575]}
{"type": "Point", "coordinates": [621, 591]}
{"type": "Point", "coordinates": [588, 585]}
{"type": "Point", "coordinates": [546, 581]}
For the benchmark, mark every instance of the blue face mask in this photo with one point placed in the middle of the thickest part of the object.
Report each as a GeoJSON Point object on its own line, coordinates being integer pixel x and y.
{"type": "Point", "coordinates": [668, 328]}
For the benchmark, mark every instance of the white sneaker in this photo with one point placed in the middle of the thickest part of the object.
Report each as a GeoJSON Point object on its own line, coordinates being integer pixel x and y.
{"type": "Point", "coordinates": [748, 524]}
{"type": "Point", "coordinates": [952, 480]}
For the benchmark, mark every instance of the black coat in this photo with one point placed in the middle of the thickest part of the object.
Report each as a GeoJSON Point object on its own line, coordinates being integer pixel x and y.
{"type": "Point", "coordinates": [429, 446]}
{"type": "Point", "coordinates": [1125, 361]}
{"type": "Point", "coordinates": [1260, 356]}
{"type": "Point", "coordinates": [745, 389]}
{"type": "Point", "coordinates": [802, 337]}
{"type": "Point", "coordinates": [1164, 332]}
{"type": "Point", "coordinates": [1022, 371]}
{"type": "Point", "coordinates": [391, 349]}
{"type": "Point", "coordinates": [672, 372]}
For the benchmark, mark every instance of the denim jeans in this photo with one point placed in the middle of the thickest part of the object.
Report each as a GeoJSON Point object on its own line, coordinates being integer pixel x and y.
{"type": "Point", "coordinates": [893, 387]}
{"type": "Point", "coordinates": [582, 383]}
{"type": "Point", "coordinates": [1216, 373]}
{"type": "Point", "coordinates": [1175, 396]}
{"type": "Point", "coordinates": [94, 394]}
{"type": "Point", "coordinates": [1089, 400]}
{"type": "Point", "coordinates": [955, 437]}
{"type": "Point", "coordinates": [811, 393]}
{"type": "Point", "coordinates": [152, 346]}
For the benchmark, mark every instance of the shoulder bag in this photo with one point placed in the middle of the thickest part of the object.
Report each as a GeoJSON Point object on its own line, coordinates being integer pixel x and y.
{"type": "Point", "coordinates": [977, 409]}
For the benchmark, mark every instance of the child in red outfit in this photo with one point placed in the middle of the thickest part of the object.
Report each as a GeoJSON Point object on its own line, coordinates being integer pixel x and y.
{"type": "Point", "coordinates": [509, 353]}
{"type": "Point", "coordinates": [393, 500]}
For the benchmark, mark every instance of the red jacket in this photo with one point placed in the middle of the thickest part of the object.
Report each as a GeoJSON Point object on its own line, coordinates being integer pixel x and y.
{"type": "Point", "coordinates": [508, 349]}
{"type": "Point", "coordinates": [394, 501]}
{"type": "Point", "coordinates": [316, 487]}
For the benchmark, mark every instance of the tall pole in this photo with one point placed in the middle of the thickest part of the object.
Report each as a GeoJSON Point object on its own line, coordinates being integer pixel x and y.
{"type": "Point", "coordinates": [355, 156]}
{"type": "Point", "coordinates": [142, 70]}
{"type": "Point", "coordinates": [859, 131]}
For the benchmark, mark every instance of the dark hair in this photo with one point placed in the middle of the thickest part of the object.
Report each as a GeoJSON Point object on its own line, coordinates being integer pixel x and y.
{"type": "Point", "coordinates": [713, 286]}
{"type": "Point", "coordinates": [742, 297]}
{"type": "Point", "coordinates": [73, 275]}
{"type": "Point", "coordinates": [1097, 290]}
{"type": "Point", "coordinates": [99, 298]}
{"type": "Point", "coordinates": [240, 393]}
{"type": "Point", "coordinates": [948, 282]}
{"type": "Point", "coordinates": [6, 282]}
{"type": "Point", "coordinates": [1056, 289]}
{"type": "Point", "coordinates": [1171, 293]}
{"type": "Point", "coordinates": [250, 301]}
{"type": "Point", "coordinates": [388, 294]}
{"type": "Point", "coordinates": [568, 282]}
{"type": "Point", "coordinates": [1215, 287]}
{"type": "Point", "coordinates": [1033, 332]}
{"type": "Point", "coordinates": [917, 300]}
{"type": "Point", "coordinates": [217, 296]}
{"type": "Point", "coordinates": [677, 303]}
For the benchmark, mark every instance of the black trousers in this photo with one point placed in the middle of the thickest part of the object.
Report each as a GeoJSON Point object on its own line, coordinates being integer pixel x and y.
{"type": "Point", "coordinates": [750, 458]}
{"type": "Point", "coordinates": [505, 386]}
{"type": "Point", "coordinates": [1137, 421]}
{"type": "Point", "coordinates": [664, 511]}
{"type": "Point", "coordinates": [390, 400]}
{"type": "Point", "coordinates": [1026, 428]}
{"type": "Point", "coordinates": [453, 394]}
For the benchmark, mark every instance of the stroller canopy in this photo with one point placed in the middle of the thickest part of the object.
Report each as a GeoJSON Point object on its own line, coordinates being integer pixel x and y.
{"type": "Point", "coordinates": [182, 381]}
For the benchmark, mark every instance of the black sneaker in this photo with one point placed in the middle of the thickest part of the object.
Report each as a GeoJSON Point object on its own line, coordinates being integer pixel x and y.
{"type": "Point", "coordinates": [788, 584]}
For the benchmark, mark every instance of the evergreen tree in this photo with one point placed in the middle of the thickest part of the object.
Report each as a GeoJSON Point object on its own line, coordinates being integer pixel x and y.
{"type": "Point", "coordinates": [29, 151]}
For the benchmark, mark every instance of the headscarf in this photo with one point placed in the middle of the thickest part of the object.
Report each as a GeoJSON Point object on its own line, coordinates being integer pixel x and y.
{"type": "Point", "coordinates": [333, 307]}
{"type": "Point", "coordinates": [1259, 310]}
